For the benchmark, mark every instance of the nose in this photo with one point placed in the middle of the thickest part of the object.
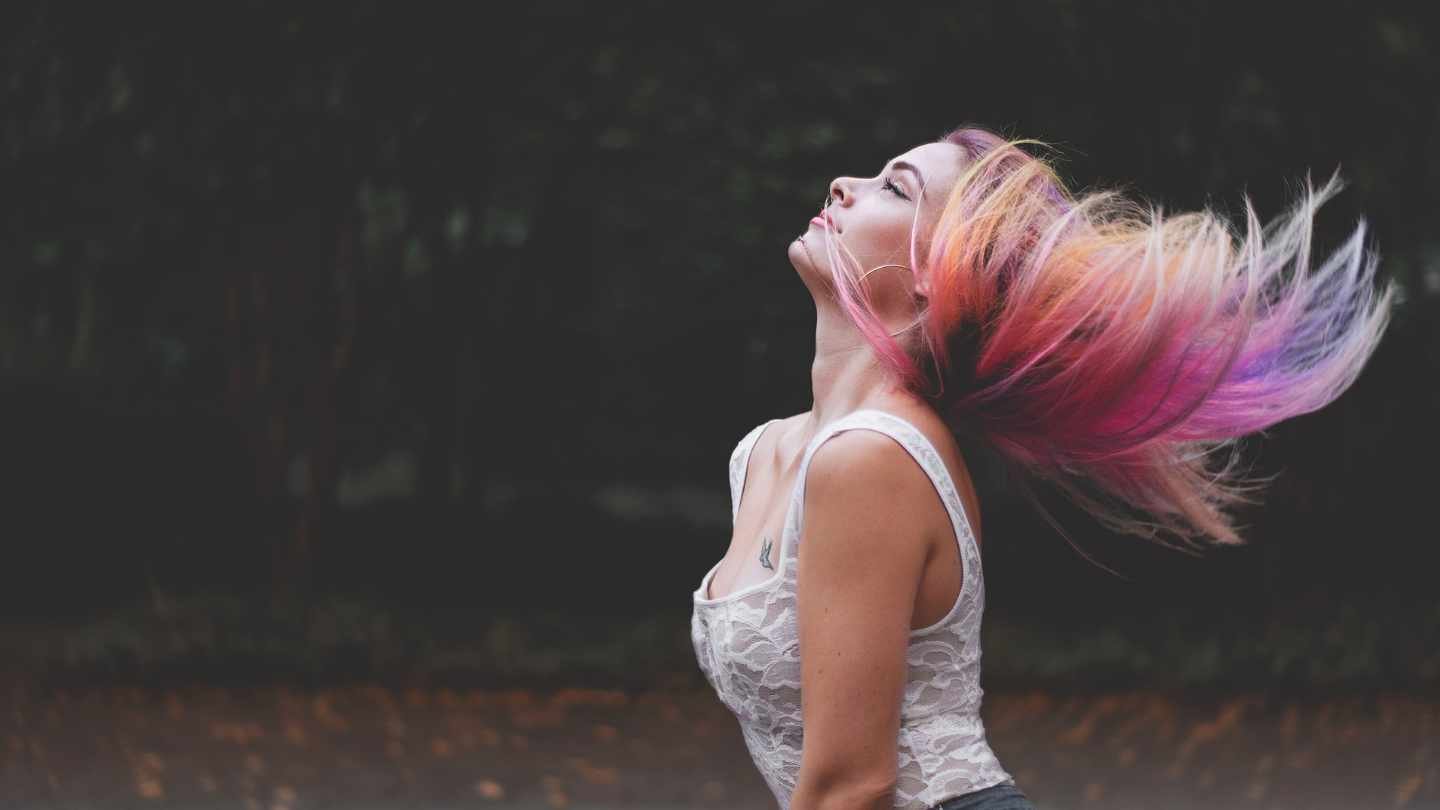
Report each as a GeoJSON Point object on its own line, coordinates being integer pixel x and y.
{"type": "Point", "coordinates": [840, 190]}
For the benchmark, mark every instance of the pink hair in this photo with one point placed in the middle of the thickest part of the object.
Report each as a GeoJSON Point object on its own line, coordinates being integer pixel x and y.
{"type": "Point", "coordinates": [1113, 350]}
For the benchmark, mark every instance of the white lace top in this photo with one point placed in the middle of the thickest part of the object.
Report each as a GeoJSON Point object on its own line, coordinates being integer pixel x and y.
{"type": "Point", "coordinates": [746, 644]}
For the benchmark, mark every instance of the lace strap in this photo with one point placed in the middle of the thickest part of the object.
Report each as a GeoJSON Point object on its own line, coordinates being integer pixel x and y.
{"type": "Point", "coordinates": [739, 462]}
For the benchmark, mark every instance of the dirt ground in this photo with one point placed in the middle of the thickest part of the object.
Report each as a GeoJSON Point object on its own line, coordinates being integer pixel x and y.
{"type": "Point", "coordinates": [369, 747]}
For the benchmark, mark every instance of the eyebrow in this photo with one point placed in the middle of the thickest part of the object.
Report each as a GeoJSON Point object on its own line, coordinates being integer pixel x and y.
{"type": "Point", "coordinates": [901, 166]}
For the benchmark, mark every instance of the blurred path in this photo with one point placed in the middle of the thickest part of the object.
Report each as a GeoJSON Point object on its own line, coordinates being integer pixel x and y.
{"type": "Point", "coordinates": [369, 747]}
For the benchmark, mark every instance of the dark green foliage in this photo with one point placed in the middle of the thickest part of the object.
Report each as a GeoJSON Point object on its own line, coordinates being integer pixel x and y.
{"type": "Point", "coordinates": [393, 301]}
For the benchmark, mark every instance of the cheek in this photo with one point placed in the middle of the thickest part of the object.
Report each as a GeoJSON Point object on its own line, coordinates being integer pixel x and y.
{"type": "Point", "coordinates": [888, 237]}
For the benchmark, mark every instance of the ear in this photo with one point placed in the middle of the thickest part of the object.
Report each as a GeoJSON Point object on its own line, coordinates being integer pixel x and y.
{"type": "Point", "coordinates": [921, 287]}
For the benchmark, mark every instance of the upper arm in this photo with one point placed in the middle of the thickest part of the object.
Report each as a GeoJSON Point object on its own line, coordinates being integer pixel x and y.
{"type": "Point", "coordinates": [860, 561]}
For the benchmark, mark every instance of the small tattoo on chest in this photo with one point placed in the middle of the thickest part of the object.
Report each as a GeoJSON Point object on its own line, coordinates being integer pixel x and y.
{"type": "Point", "coordinates": [765, 554]}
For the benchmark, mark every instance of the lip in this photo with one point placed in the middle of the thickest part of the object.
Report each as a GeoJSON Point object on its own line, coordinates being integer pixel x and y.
{"type": "Point", "coordinates": [820, 222]}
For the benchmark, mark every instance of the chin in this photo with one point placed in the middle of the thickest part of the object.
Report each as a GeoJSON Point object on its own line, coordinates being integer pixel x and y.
{"type": "Point", "coordinates": [801, 255]}
{"type": "Point", "coordinates": [796, 253]}
{"type": "Point", "coordinates": [814, 276]}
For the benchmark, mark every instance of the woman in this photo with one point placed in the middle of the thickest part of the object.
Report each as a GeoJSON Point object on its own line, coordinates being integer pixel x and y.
{"type": "Point", "coordinates": [1106, 349]}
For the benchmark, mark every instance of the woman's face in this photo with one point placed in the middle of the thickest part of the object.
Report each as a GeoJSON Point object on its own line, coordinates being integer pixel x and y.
{"type": "Point", "coordinates": [871, 218]}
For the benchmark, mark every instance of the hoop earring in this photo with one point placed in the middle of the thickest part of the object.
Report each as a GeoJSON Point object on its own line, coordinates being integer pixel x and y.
{"type": "Point", "coordinates": [882, 267]}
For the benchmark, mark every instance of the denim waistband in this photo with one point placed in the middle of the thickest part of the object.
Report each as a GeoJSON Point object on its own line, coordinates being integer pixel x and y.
{"type": "Point", "coordinates": [1004, 796]}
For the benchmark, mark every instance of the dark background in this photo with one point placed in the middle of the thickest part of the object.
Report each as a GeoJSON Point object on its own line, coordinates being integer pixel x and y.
{"type": "Point", "coordinates": [412, 344]}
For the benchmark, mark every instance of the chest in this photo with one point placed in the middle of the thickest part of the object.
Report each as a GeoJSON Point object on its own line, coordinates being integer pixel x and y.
{"type": "Point", "coordinates": [748, 647]}
{"type": "Point", "coordinates": [759, 535]}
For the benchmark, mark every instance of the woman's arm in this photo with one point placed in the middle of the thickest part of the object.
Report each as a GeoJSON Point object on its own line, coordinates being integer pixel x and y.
{"type": "Point", "coordinates": [861, 556]}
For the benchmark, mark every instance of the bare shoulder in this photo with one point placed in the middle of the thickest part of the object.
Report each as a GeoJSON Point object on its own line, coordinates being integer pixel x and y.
{"type": "Point", "coordinates": [865, 514]}
{"type": "Point", "coordinates": [865, 472]}
{"type": "Point", "coordinates": [916, 481]}
{"type": "Point", "coordinates": [859, 455]}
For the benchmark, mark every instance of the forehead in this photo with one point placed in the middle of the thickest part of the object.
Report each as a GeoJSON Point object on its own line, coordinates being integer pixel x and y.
{"type": "Point", "coordinates": [938, 161]}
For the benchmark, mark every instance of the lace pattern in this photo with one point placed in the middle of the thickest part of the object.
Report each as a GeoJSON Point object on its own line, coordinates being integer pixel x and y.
{"type": "Point", "coordinates": [746, 644]}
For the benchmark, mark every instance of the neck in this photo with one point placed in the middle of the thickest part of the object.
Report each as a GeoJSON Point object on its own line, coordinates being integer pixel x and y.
{"type": "Point", "coordinates": [846, 375]}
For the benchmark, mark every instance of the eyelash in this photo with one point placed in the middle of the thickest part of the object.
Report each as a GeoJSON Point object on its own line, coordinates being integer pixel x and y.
{"type": "Point", "coordinates": [890, 185]}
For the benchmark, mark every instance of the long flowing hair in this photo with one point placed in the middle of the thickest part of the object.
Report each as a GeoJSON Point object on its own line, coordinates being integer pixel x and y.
{"type": "Point", "coordinates": [1116, 351]}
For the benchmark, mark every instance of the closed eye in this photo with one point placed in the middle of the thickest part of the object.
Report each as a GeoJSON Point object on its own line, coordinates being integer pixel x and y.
{"type": "Point", "coordinates": [891, 185]}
